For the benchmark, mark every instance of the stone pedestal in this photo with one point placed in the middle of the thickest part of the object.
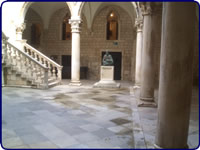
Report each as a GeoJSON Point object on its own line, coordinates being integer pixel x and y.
{"type": "Point", "coordinates": [107, 78]}
{"type": "Point", "coordinates": [19, 30]}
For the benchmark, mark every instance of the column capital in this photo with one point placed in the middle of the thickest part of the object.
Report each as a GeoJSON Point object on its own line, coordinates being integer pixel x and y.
{"type": "Point", "coordinates": [139, 24]}
{"type": "Point", "coordinates": [146, 8]}
{"type": "Point", "coordinates": [20, 27]}
{"type": "Point", "coordinates": [75, 25]}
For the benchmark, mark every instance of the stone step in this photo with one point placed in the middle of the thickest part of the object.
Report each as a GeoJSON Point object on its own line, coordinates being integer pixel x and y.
{"type": "Point", "coordinates": [52, 84]}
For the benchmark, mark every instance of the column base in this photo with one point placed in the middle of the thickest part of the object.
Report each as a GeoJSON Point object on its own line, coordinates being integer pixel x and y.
{"type": "Point", "coordinates": [136, 86]}
{"type": "Point", "coordinates": [158, 147]}
{"type": "Point", "coordinates": [75, 83]}
{"type": "Point", "coordinates": [147, 99]}
{"type": "Point", "coordinates": [147, 104]}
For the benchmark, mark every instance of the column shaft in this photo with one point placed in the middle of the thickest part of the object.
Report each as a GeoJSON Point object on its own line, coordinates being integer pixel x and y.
{"type": "Point", "coordinates": [138, 65]}
{"type": "Point", "coordinates": [147, 78]}
{"type": "Point", "coordinates": [75, 58]}
{"type": "Point", "coordinates": [175, 86]}
{"type": "Point", "coordinates": [75, 68]}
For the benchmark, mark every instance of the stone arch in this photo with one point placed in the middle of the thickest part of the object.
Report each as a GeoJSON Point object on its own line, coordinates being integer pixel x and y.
{"type": "Point", "coordinates": [111, 7]}
{"type": "Point", "coordinates": [134, 4]}
{"type": "Point", "coordinates": [56, 20]}
{"type": "Point", "coordinates": [132, 10]}
{"type": "Point", "coordinates": [27, 5]}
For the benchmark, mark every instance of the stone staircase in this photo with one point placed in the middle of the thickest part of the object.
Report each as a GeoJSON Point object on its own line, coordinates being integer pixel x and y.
{"type": "Point", "coordinates": [24, 66]}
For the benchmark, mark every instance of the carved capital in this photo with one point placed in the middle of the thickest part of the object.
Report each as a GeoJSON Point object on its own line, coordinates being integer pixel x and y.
{"type": "Point", "coordinates": [139, 24]}
{"type": "Point", "coordinates": [146, 8]}
{"type": "Point", "coordinates": [20, 28]}
{"type": "Point", "coordinates": [75, 25]}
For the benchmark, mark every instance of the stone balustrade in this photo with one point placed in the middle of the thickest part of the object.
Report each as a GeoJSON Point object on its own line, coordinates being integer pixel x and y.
{"type": "Point", "coordinates": [55, 70]}
{"type": "Point", "coordinates": [30, 63]}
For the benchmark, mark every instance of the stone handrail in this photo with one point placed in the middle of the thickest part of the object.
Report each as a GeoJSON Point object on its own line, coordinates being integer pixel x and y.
{"type": "Point", "coordinates": [20, 61]}
{"type": "Point", "coordinates": [55, 69]}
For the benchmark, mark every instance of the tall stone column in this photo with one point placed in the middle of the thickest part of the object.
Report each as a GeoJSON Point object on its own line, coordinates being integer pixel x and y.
{"type": "Point", "coordinates": [175, 86]}
{"type": "Point", "coordinates": [138, 65]}
{"type": "Point", "coordinates": [147, 73]}
{"type": "Point", "coordinates": [75, 68]}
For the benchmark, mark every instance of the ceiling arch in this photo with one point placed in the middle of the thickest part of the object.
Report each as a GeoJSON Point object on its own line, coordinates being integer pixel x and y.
{"type": "Point", "coordinates": [44, 9]}
{"type": "Point", "coordinates": [90, 9]}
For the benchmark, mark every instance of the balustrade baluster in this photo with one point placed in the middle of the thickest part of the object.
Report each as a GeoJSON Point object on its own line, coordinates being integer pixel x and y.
{"type": "Point", "coordinates": [53, 71]}
{"type": "Point", "coordinates": [18, 61]}
{"type": "Point", "coordinates": [25, 50]}
{"type": "Point", "coordinates": [33, 54]}
{"type": "Point", "coordinates": [3, 50]}
{"type": "Point", "coordinates": [29, 52]}
{"type": "Point", "coordinates": [9, 55]}
{"type": "Point", "coordinates": [59, 74]}
{"type": "Point", "coordinates": [50, 69]}
{"type": "Point", "coordinates": [38, 58]}
{"type": "Point", "coordinates": [14, 57]}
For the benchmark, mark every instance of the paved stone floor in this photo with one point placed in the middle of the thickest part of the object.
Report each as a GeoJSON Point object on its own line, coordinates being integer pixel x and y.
{"type": "Point", "coordinates": [81, 117]}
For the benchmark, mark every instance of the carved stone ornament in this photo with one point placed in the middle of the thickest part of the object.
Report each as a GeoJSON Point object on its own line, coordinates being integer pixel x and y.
{"type": "Point", "coordinates": [21, 27]}
{"type": "Point", "coordinates": [139, 24]}
{"type": "Point", "coordinates": [75, 25]}
{"type": "Point", "coordinates": [146, 8]}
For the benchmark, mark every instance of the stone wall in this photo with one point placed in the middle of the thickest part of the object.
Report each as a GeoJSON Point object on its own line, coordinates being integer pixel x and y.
{"type": "Point", "coordinates": [54, 45]}
{"type": "Point", "coordinates": [93, 41]}
{"type": "Point", "coordinates": [31, 18]}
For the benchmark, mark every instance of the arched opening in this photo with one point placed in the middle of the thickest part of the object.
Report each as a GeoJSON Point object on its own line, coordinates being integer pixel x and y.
{"type": "Point", "coordinates": [66, 28]}
{"type": "Point", "coordinates": [112, 26]}
{"type": "Point", "coordinates": [35, 34]}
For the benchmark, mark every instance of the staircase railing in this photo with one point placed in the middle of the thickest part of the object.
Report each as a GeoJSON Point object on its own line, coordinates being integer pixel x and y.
{"type": "Point", "coordinates": [23, 63]}
{"type": "Point", "coordinates": [55, 70]}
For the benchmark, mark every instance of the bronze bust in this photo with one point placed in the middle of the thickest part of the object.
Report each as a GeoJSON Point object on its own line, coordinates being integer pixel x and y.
{"type": "Point", "coordinates": [107, 60]}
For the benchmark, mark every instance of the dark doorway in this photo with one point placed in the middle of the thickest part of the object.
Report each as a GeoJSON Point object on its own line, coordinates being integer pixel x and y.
{"type": "Point", "coordinates": [66, 63]}
{"type": "Point", "coordinates": [117, 58]}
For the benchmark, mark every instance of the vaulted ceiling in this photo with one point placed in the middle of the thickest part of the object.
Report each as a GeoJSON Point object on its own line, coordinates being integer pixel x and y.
{"type": "Point", "coordinates": [90, 9]}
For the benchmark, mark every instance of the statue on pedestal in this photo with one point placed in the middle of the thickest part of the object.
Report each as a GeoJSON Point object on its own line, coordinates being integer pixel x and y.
{"type": "Point", "coordinates": [107, 59]}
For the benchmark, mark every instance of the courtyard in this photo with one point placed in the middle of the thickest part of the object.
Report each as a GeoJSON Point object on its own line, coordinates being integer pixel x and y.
{"type": "Point", "coordinates": [82, 117]}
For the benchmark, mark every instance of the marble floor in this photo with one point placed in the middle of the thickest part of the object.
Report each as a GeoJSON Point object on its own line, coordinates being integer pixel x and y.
{"type": "Point", "coordinates": [82, 117]}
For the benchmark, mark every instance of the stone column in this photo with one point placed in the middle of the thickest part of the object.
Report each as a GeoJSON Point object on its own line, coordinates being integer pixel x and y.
{"type": "Point", "coordinates": [147, 73]}
{"type": "Point", "coordinates": [75, 68]}
{"type": "Point", "coordinates": [175, 86]}
{"type": "Point", "coordinates": [138, 65]}
{"type": "Point", "coordinates": [19, 30]}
